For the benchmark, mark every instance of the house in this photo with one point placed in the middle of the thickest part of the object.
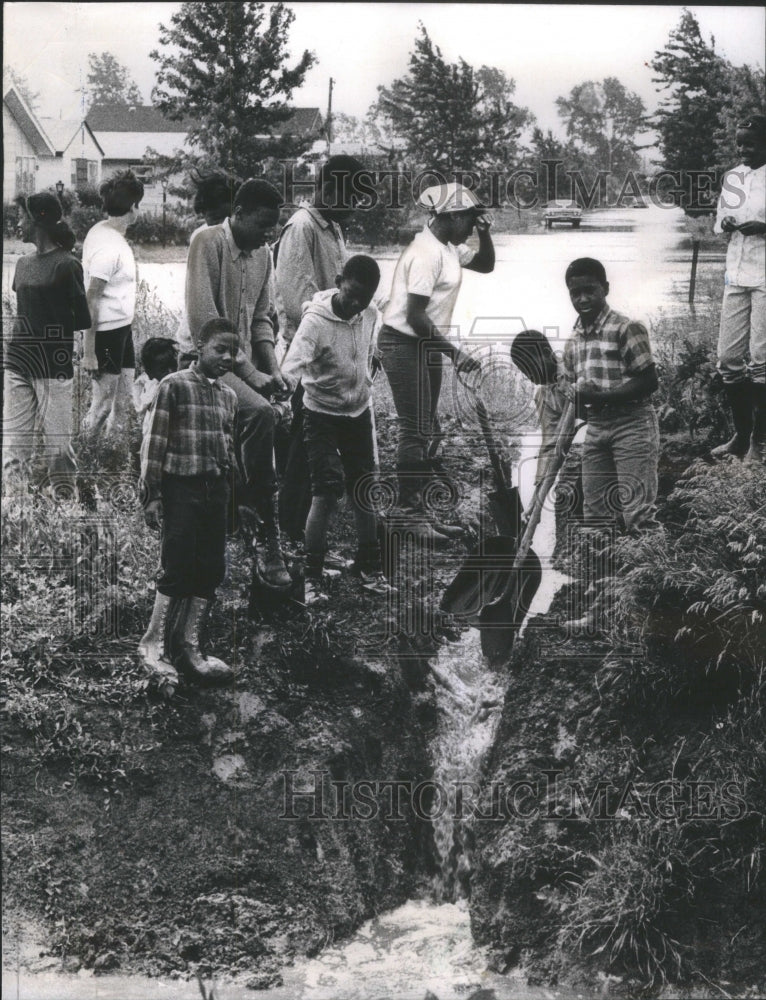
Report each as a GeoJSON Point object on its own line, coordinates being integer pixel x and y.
{"type": "Point", "coordinates": [130, 134]}
{"type": "Point", "coordinates": [41, 152]}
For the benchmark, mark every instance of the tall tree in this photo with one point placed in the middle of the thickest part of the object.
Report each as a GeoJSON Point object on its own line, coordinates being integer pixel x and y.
{"type": "Point", "coordinates": [694, 78]}
{"type": "Point", "coordinates": [222, 67]}
{"type": "Point", "coordinates": [453, 118]}
{"type": "Point", "coordinates": [745, 93]}
{"type": "Point", "coordinates": [604, 119]}
{"type": "Point", "coordinates": [109, 82]}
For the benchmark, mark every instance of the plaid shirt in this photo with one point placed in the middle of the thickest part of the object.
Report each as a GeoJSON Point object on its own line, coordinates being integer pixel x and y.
{"type": "Point", "coordinates": [191, 430]}
{"type": "Point", "coordinates": [609, 353]}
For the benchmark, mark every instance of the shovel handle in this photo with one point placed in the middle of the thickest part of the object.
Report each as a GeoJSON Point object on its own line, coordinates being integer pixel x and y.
{"type": "Point", "coordinates": [564, 435]}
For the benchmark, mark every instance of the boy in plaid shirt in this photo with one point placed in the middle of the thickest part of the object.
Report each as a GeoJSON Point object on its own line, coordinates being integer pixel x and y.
{"type": "Point", "coordinates": [609, 361]}
{"type": "Point", "coordinates": [186, 458]}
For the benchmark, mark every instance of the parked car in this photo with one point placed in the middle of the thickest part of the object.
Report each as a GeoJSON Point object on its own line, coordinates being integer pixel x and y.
{"type": "Point", "coordinates": [562, 211]}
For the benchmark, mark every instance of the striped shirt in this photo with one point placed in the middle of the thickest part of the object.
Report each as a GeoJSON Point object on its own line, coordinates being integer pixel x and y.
{"type": "Point", "coordinates": [191, 430]}
{"type": "Point", "coordinates": [613, 350]}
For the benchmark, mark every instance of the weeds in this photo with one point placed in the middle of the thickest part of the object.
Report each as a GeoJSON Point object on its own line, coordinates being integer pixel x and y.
{"type": "Point", "coordinates": [625, 909]}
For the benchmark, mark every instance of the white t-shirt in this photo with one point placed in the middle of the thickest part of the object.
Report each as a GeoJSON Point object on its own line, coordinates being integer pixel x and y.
{"type": "Point", "coordinates": [106, 254]}
{"type": "Point", "coordinates": [431, 268]}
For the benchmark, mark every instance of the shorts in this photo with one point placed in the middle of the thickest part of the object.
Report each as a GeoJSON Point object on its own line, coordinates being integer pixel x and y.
{"type": "Point", "coordinates": [340, 451]}
{"type": "Point", "coordinates": [114, 350]}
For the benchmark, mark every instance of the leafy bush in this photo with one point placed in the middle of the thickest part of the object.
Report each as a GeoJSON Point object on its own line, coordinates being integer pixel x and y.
{"type": "Point", "coordinates": [83, 219]}
{"type": "Point", "coordinates": [88, 196]}
{"type": "Point", "coordinates": [10, 218]}
{"type": "Point", "coordinates": [148, 228]}
{"type": "Point", "coordinates": [698, 600]}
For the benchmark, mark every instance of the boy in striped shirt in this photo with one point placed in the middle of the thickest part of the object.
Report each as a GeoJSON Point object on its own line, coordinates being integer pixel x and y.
{"type": "Point", "coordinates": [186, 459]}
{"type": "Point", "coordinates": [609, 361]}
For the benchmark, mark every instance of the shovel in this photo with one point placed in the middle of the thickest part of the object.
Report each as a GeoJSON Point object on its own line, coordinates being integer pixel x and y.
{"type": "Point", "coordinates": [484, 573]}
{"type": "Point", "coordinates": [501, 619]}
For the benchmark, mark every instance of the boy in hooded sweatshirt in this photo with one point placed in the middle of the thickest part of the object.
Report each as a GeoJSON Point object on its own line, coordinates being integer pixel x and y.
{"type": "Point", "coordinates": [332, 354]}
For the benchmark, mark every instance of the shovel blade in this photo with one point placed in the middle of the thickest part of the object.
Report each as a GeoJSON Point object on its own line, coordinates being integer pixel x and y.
{"type": "Point", "coordinates": [481, 578]}
{"type": "Point", "coordinates": [500, 622]}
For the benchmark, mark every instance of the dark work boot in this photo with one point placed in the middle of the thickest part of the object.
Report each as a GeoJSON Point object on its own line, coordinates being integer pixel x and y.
{"type": "Point", "coordinates": [757, 452]}
{"type": "Point", "coordinates": [274, 569]}
{"type": "Point", "coordinates": [740, 400]}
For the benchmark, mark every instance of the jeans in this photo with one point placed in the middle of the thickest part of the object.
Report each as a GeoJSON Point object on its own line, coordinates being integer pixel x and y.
{"type": "Point", "coordinates": [743, 324]}
{"type": "Point", "coordinates": [193, 536]}
{"type": "Point", "coordinates": [414, 371]}
{"type": "Point", "coordinates": [32, 403]}
{"type": "Point", "coordinates": [619, 466]}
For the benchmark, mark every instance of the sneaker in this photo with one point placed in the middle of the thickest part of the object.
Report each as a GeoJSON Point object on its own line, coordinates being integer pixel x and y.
{"type": "Point", "coordinates": [334, 560]}
{"type": "Point", "coordinates": [313, 593]}
{"type": "Point", "coordinates": [376, 583]}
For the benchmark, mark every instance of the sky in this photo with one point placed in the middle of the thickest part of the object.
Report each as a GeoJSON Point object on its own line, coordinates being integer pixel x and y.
{"type": "Point", "coordinates": [547, 49]}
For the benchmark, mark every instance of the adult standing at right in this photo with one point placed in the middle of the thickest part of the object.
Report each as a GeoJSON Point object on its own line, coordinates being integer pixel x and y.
{"type": "Point", "coordinates": [310, 255]}
{"type": "Point", "coordinates": [741, 214]}
{"type": "Point", "coordinates": [110, 286]}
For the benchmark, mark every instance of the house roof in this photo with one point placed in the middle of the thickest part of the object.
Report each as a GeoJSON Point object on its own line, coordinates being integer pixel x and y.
{"type": "Point", "coordinates": [303, 121]}
{"type": "Point", "coordinates": [132, 118]}
{"type": "Point", "coordinates": [28, 123]}
{"type": "Point", "coordinates": [132, 146]}
{"type": "Point", "coordinates": [63, 131]}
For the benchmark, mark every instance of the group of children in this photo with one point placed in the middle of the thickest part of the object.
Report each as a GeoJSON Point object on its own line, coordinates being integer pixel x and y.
{"type": "Point", "coordinates": [188, 449]}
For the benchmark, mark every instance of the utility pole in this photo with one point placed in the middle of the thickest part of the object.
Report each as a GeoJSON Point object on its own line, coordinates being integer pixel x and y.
{"type": "Point", "coordinates": [328, 122]}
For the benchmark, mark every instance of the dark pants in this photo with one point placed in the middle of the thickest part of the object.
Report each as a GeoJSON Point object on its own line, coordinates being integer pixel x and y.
{"type": "Point", "coordinates": [414, 371]}
{"type": "Point", "coordinates": [255, 443]}
{"type": "Point", "coordinates": [295, 492]}
{"type": "Point", "coordinates": [193, 536]}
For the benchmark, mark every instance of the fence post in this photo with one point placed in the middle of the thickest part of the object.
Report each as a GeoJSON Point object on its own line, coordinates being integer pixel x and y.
{"type": "Point", "coordinates": [693, 280]}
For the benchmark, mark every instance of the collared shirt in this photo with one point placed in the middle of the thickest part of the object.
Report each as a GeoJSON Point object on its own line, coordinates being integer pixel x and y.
{"type": "Point", "coordinates": [743, 196]}
{"type": "Point", "coordinates": [190, 432]}
{"type": "Point", "coordinates": [431, 268]}
{"type": "Point", "coordinates": [224, 281]}
{"type": "Point", "coordinates": [611, 351]}
{"type": "Point", "coordinates": [311, 254]}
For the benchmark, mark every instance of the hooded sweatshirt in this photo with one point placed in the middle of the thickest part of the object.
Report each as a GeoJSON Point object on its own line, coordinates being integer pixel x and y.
{"type": "Point", "coordinates": [332, 357]}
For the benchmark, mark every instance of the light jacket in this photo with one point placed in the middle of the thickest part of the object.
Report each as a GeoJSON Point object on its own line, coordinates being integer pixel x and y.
{"type": "Point", "coordinates": [332, 357]}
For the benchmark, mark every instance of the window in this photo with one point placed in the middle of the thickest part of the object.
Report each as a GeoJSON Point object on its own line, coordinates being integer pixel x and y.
{"type": "Point", "coordinates": [25, 174]}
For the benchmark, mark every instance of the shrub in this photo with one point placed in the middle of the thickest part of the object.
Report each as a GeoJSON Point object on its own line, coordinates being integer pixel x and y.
{"type": "Point", "coordinates": [84, 218]}
{"type": "Point", "coordinates": [148, 228]}
{"type": "Point", "coordinates": [10, 218]}
{"type": "Point", "coordinates": [698, 601]}
{"type": "Point", "coordinates": [88, 196]}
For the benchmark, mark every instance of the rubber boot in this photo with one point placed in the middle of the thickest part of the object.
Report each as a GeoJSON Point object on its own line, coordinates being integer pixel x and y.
{"type": "Point", "coordinates": [757, 452]}
{"type": "Point", "coordinates": [274, 569]}
{"type": "Point", "coordinates": [153, 645]}
{"type": "Point", "coordinates": [188, 658]}
{"type": "Point", "coordinates": [739, 398]}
